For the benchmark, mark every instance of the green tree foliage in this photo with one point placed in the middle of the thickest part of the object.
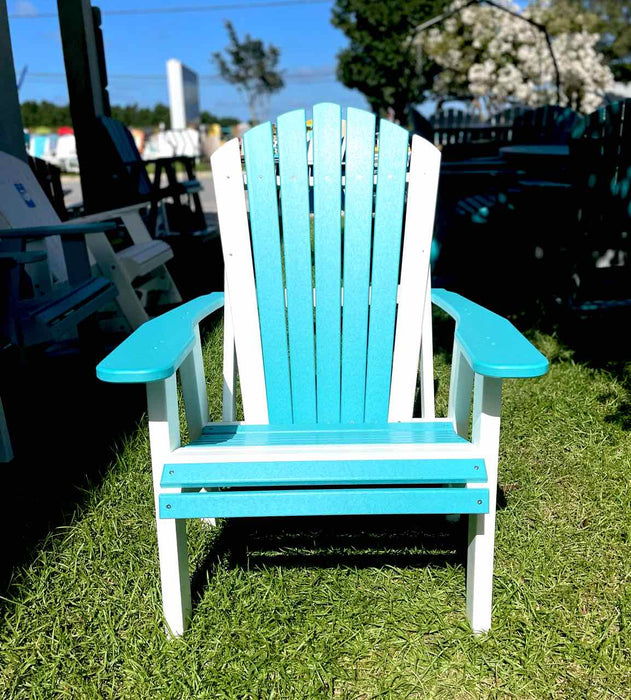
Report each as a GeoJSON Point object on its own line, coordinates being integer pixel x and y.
{"type": "Point", "coordinates": [210, 118]}
{"type": "Point", "coordinates": [609, 18]}
{"type": "Point", "coordinates": [252, 67]}
{"type": "Point", "coordinates": [380, 61]}
{"type": "Point", "coordinates": [47, 114]}
{"type": "Point", "coordinates": [133, 115]}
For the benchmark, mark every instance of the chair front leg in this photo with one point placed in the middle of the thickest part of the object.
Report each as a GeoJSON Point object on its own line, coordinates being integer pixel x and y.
{"type": "Point", "coordinates": [487, 400]}
{"type": "Point", "coordinates": [164, 436]}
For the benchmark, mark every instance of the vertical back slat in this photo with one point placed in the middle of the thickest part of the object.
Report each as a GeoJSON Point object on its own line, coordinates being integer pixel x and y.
{"type": "Point", "coordinates": [264, 225]}
{"type": "Point", "coordinates": [358, 205]}
{"type": "Point", "coordinates": [391, 172]}
{"type": "Point", "coordinates": [419, 226]}
{"type": "Point", "coordinates": [237, 254]}
{"type": "Point", "coordinates": [327, 231]}
{"type": "Point", "coordinates": [294, 199]}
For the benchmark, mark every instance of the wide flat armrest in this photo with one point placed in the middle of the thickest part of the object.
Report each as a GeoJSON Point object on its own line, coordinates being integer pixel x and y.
{"type": "Point", "coordinates": [58, 230]}
{"type": "Point", "coordinates": [492, 345]}
{"type": "Point", "coordinates": [156, 349]}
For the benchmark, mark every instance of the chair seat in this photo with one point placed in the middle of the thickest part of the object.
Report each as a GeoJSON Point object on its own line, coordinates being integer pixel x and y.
{"type": "Point", "coordinates": [242, 435]}
{"type": "Point", "coordinates": [69, 304]}
{"type": "Point", "coordinates": [143, 258]}
{"type": "Point", "coordinates": [393, 455]}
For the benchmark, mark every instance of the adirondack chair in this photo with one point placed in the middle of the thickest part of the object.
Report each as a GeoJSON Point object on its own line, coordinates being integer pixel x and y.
{"type": "Point", "coordinates": [328, 369]}
{"type": "Point", "coordinates": [599, 249]}
{"type": "Point", "coordinates": [49, 178]}
{"type": "Point", "coordinates": [548, 124]}
{"type": "Point", "coordinates": [126, 182]}
{"type": "Point", "coordinates": [62, 289]}
{"type": "Point", "coordinates": [134, 274]}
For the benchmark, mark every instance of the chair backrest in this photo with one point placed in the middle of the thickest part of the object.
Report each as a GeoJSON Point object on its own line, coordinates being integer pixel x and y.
{"type": "Point", "coordinates": [23, 204]}
{"type": "Point", "coordinates": [420, 125]}
{"type": "Point", "coordinates": [600, 151]}
{"type": "Point", "coordinates": [327, 276]}
{"type": "Point", "coordinates": [124, 170]}
{"type": "Point", "coordinates": [49, 178]}
{"type": "Point", "coordinates": [549, 124]}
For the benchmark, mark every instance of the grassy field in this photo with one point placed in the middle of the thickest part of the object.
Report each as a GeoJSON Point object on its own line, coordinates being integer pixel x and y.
{"type": "Point", "coordinates": [350, 608]}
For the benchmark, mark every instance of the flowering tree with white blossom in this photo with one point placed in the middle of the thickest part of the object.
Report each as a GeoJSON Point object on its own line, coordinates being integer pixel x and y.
{"type": "Point", "coordinates": [497, 58]}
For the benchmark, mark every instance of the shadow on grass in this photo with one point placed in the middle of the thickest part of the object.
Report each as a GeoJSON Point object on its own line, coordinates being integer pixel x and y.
{"type": "Point", "coordinates": [64, 425]}
{"type": "Point", "coordinates": [356, 542]}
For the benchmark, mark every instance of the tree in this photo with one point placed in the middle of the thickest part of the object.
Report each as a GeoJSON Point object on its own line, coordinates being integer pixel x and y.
{"type": "Point", "coordinates": [380, 61]}
{"type": "Point", "coordinates": [495, 57]}
{"type": "Point", "coordinates": [252, 67]}
{"type": "Point", "coordinates": [611, 19]}
{"type": "Point", "coordinates": [51, 116]}
{"type": "Point", "coordinates": [209, 118]}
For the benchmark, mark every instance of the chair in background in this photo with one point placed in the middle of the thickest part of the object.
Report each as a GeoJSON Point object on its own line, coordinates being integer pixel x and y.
{"type": "Point", "coordinates": [136, 273]}
{"type": "Point", "coordinates": [599, 250]}
{"type": "Point", "coordinates": [127, 181]}
{"type": "Point", "coordinates": [420, 125]}
{"type": "Point", "coordinates": [47, 283]}
{"type": "Point", "coordinates": [49, 178]}
{"type": "Point", "coordinates": [328, 389]}
{"type": "Point", "coordinates": [549, 124]}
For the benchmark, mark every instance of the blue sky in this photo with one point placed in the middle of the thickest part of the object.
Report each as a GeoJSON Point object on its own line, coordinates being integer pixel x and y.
{"type": "Point", "coordinates": [140, 45]}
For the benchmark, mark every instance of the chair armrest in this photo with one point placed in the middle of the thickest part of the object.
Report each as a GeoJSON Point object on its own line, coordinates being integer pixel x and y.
{"type": "Point", "coordinates": [57, 230]}
{"type": "Point", "coordinates": [156, 349]}
{"type": "Point", "coordinates": [22, 258]}
{"type": "Point", "coordinates": [101, 216]}
{"type": "Point", "coordinates": [491, 344]}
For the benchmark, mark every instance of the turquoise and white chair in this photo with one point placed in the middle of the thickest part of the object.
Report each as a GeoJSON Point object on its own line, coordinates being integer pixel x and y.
{"type": "Point", "coordinates": [327, 316]}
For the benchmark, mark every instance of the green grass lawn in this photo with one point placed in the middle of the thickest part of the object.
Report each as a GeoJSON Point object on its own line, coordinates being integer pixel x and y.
{"type": "Point", "coordinates": [353, 608]}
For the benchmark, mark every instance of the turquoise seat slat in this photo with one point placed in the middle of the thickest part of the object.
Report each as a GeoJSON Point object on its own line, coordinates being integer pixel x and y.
{"type": "Point", "coordinates": [294, 199]}
{"type": "Point", "coordinates": [375, 501]}
{"type": "Point", "coordinates": [439, 432]}
{"type": "Point", "coordinates": [391, 170]}
{"type": "Point", "coordinates": [323, 473]}
{"type": "Point", "coordinates": [327, 231]}
{"type": "Point", "coordinates": [266, 252]}
{"type": "Point", "coordinates": [358, 206]}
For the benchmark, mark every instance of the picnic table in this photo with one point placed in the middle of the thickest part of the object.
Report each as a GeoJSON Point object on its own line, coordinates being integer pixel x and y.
{"type": "Point", "coordinates": [546, 160]}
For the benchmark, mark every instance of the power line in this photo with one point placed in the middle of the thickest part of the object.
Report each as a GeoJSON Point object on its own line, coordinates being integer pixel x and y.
{"type": "Point", "coordinates": [306, 76]}
{"type": "Point", "coordinates": [191, 8]}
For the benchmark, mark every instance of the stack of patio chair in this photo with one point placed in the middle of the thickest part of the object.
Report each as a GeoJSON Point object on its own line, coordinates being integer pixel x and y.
{"type": "Point", "coordinates": [119, 261]}
{"type": "Point", "coordinates": [599, 252]}
{"type": "Point", "coordinates": [549, 124]}
{"type": "Point", "coordinates": [175, 207]}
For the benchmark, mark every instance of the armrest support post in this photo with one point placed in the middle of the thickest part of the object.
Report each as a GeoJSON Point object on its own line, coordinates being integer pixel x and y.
{"type": "Point", "coordinates": [428, 407]}
{"type": "Point", "coordinates": [194, 390]}
{"type": "Point", "coordinates": [229, 398]}
{"type": "Point", "coordinates": [460, 390]}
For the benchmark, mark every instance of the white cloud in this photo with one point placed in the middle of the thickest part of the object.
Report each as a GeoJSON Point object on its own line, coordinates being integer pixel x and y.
{"type": "Point", "coordinates": [25, 8]}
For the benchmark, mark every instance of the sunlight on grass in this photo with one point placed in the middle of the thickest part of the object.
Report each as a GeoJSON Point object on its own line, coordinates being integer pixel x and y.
{"type": "Point", "coordinates": [344, 608]}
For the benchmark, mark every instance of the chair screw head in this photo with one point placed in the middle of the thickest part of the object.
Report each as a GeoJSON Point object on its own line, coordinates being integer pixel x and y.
{"type": "Point", "coordinates": [479, 503]}
{"type": "Point", "coordinates": [169, 506]}
{"type": "Point", "coordinates": [476, 468]}
{"type": "Point", "coordinates": [172, 472]}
